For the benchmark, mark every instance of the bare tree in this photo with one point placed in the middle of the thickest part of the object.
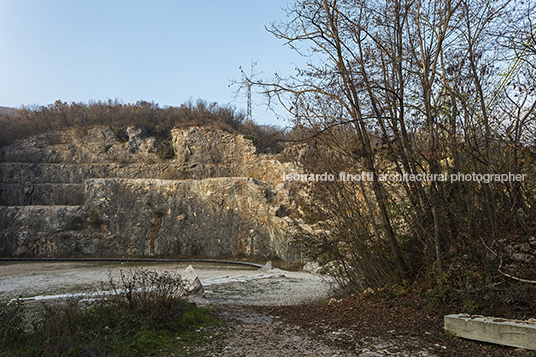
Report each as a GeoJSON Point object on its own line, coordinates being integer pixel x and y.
{"type": "Point", "coordinates": [417, 76]}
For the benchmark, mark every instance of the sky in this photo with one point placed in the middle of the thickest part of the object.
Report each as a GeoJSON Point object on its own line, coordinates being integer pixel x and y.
{"type": "Point", "coordinates": [165, 51]}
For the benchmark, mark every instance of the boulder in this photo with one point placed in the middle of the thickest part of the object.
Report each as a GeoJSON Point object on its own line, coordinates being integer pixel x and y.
{"type": "Point", "coordinates": [191, 282]}
{"type": "Point", "coordinates": [267, 266]}
{"type": "Point", "coordinates": [312, 267]}
{"type": "Point", "coordinates": [522, 257]}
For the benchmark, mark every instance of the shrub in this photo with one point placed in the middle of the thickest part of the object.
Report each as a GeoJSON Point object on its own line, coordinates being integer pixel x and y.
{"type": "Point", "coordinates": [94, 220]}
{"type": "Point", "coordinates": [165, 151]}
{"type": "Point", "coordinates": [157, 121]}
{"type": "Point", "coordinates": [253, 139]}
{"type": "Point", "coordinates": [76, 224]}
{"type": "Point", "coordinates": [162, 133]}
{"type": "Point", "coordinates": [158, 213]}
{"type": "Point", "coordinates": [185, 173]}
{"type": "Point", "coordinates": [121, 135]}
{"type": "Point", "coordinates": [11, 322]}
{"type": "Point", "coordinates": [151, 295]}
{"type": "Point", "coordinates": [142, 313]}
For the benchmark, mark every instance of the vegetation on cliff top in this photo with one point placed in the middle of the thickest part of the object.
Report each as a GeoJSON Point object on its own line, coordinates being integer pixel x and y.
{"type": "Point", "coordinates": [158, 121]}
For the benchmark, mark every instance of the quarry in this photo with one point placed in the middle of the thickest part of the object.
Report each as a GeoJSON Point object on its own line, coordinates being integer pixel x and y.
{"type": "Point", "coordinates": [105, 193]}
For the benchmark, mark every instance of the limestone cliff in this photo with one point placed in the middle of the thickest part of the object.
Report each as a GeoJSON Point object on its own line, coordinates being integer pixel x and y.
{"type": "Point", "coordinates": [101, 194]}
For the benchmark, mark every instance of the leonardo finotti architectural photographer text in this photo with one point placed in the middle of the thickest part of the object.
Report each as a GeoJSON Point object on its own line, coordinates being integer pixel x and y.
{"type": "Point", "coordinates": [369, 176]}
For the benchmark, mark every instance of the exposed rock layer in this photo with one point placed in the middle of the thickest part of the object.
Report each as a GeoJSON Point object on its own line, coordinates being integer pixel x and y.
{"type": "Point", "coordinates": [65, 194]}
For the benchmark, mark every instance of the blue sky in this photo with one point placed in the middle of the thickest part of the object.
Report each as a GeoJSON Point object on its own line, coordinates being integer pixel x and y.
{"type": "Point", "coordinates": [163, 50]}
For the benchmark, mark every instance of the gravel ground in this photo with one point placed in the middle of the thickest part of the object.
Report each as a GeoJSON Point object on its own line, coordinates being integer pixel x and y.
{"type": "Point", "coordinates": [224, 284]}
{"type": "Point", "coordinates": [274, 313]}
{"type": "Point", "coordinates": [229, 289]}
{"type": "Point", "coordinates": [256, 334]}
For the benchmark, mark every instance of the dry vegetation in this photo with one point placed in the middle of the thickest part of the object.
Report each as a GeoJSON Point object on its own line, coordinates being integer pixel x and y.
{"type": "Point", "coordinates": [141, 313]}
{"type": "Point", "coordinates": [158, 121]}
{"type": "Point", "coordinates": [407, 76]}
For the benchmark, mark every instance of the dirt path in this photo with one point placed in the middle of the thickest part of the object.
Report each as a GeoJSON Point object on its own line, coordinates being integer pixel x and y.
{"type": "Point", "coordinates": [257, 334]}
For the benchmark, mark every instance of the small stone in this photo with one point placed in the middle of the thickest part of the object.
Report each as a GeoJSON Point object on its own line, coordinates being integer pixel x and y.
{"type": "Point", "coordinates": [311, 267]}
{"type": "Point", "coordinates": [522, 257]}
{"type": "Point", "coordinates": [524, 247]}
{"type": "Point", "coordinates": [509, 249]}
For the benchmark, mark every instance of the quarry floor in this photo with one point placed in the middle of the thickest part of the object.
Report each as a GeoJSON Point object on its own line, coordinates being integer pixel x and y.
{"type": "Point", "coordinates": [223, 283]}
{"type": "Point", "coordinates": [272, 313]}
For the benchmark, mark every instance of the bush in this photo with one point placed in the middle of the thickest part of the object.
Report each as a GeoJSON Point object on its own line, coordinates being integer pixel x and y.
{"type": "Point", "coordinates": [11, 322]}
{"type": "Point", "coordinates": [158, 213]}
{"type": "Point", "coordinates": [166, 151]}
{"type": "Point", "coordinates": [157, 121]}
{"type": "Point", "coordinates": [155, 297]}
{"type": "Point", "coordinates": [121, 135]}
{"type": "Point", "coordinates": [253, 139]}
{"type": "Point", "coordinates": [76, 224]}
{"type": "Point", "coordinates": [142, 314]}
{"type": "Point", "coordinates": [94, 220]}
{"type": "Point", "coordinates": [162, 133]}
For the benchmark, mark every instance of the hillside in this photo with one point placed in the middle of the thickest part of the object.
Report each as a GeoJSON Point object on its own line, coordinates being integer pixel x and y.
{"type": "Point", "coordinates": [7, 111]}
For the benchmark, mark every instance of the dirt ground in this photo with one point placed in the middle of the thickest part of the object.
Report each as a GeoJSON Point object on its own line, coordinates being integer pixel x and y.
{"type": "Point", "coordinates": [276, 313]}
{"type": "Point", "coordinates": [223, 283]}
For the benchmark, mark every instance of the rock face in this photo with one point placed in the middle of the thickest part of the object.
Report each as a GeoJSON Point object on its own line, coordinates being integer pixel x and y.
{"type": "Point", "coordinates": [231, 152]}
{"type": "Point", "coordinates": [69, 194]}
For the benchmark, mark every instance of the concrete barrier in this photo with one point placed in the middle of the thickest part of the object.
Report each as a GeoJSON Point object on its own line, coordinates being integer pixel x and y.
{"type": "Point", "coordinates": [515, 333]}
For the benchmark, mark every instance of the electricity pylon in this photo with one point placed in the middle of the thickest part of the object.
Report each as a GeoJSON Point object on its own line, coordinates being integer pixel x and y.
{"type": "Point", "coordinates": [247, 83]}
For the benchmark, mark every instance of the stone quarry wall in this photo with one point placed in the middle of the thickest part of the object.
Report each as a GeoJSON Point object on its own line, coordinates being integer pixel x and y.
{"type": "Point", "coordinates": [69, 194]}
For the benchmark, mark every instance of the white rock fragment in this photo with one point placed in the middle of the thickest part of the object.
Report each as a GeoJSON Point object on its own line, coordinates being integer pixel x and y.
{"type": "Point", "coordinates": [312, 267]}
{"type": "Point", "coordinates": [191, 282]}
{"type": "Point", "coordinates": [267, 266]}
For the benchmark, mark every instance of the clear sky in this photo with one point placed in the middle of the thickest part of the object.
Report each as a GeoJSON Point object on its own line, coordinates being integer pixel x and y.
{"type": "Point", "coordinates": [166, 51]}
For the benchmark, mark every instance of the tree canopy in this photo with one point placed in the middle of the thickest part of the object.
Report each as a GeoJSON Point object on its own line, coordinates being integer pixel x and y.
{"type": "Point", "coordinates": [419, 89]}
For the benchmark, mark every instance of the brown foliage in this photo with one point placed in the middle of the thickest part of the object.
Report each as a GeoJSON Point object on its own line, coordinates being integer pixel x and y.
{"type": "Point", "coordinates": [439, 102]}
{"type": "Point", "coordinates": [158, 121]}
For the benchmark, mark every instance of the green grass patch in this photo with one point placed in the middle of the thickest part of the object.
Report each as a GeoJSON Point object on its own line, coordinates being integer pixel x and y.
{"type": "Point", "coordinates": [147, 318]}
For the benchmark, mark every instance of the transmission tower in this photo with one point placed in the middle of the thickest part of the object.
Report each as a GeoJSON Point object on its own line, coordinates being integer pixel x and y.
{"type": "Point", "coordinates": [248, 83]}
{"type": "Point", "coordinates": [249, 116]}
